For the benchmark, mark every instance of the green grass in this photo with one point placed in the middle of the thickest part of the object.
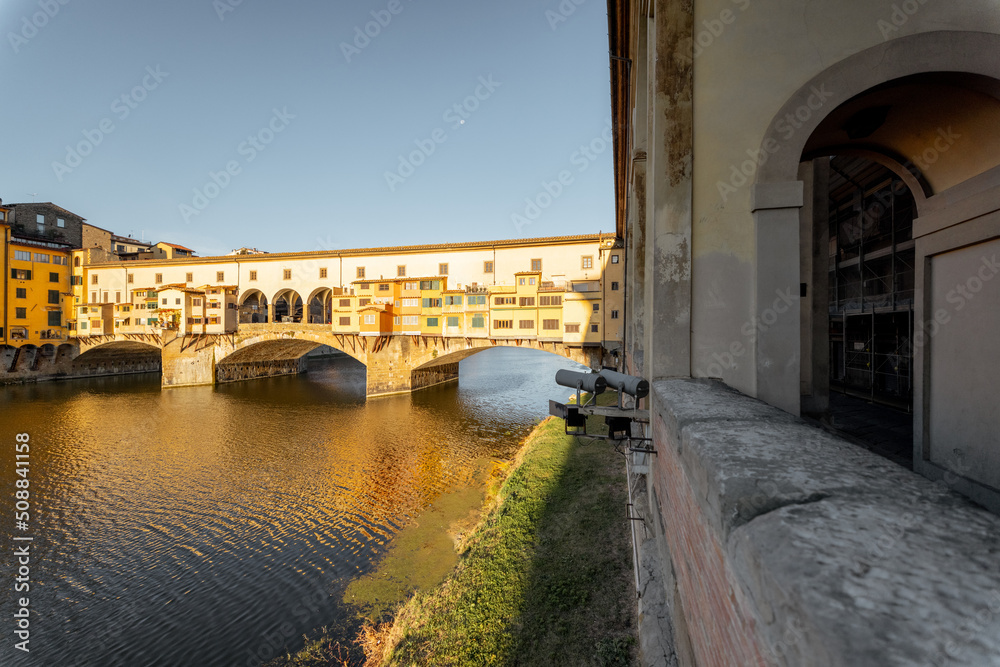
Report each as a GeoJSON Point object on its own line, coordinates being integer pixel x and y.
{"type": "Point", "coordinates": [545, 579]}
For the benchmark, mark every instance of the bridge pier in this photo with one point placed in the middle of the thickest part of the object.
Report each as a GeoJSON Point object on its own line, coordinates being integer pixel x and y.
{"type": "Point", "coordinates": [185, 363]}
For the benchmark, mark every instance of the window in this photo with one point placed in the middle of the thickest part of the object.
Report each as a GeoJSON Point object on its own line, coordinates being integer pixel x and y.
{"type": "Point", "coordinates": [364, 285]}
{"type": "Point", "coordinates": [531, 281]}
{"type": "Point", "coordinates": [572, 328]}
{"type": "Point", "coordinates": [430, 284]}
{"type": "Point", "coordinates": [536, 265]}
{"type": "Point", "coordinates": [487, 267]}
{"type": "Point", "coordinates": [93, 279]}
{"type": "Point", "coordinates": [55, 318]}
{"type": "Point", "coordinates": [220, 276]}
{"type": "Point", "coordinates": [527, 324]}
{"type": "Point", "coordinates": [364, 302]}
{"type": "Point", "coordinates": [158, 278]}
{"type": "Point", "coordinates": [550, 325]}
{"type": "Point", "coordinates": [432, 321]}
{"type": "Point", "coordinates": [20, 274]}
{"type": "Point", "coordinates": [401, 270]}
{"type": "Point", "coordinates": [83, 326]}
{"type": "Point", "coordinates": [130, 278]}
{"type": "Point", "coordinates": [322, 273]}
{"type": "Point", "coordinates": [177, 301]}
{"type": "Point", "coordinates": [504, 300]}
{"type": "Point", "coordinates": [614, 314]}
{"type": "Point", "coordinates": [93, 297]}
{"type": "Point", "coordinates": [614, 259]}
{"type": "Point", "coordinates": [213, 320]}
{"type": "Point", "coordinates": [442, 269]}
{"type": "Point", "coordinates": [431, 303]}
{"type": "Point", "coordinates": [411, 286]}
{"type": "Point", "coordinates": [477, 300]}
{"type": "Point", "coordinates": [189, 278]}
{"type": "Point", "coordinates": [253, 275]}
{"type": "Point", "coordinates": [76, 280]}
{"type": "Point", "coordinates": [40, 221]}
{"type": "Point", "coordinates": [120, 248]}
{"type": "Point", "coordinates": [345, 303]}
{"type": "Point", "coordinates": [369, 318]}
{"type": "Point", "coordinates": [503, 324]}
{"type": "Point", "coordinates": [520, 281]}
{"type": "Point", "coordinates": [105, 297]}
{"type": "Point", "coordinates": [550, 300]}
{"type": "Point", "coordinates": [361, 272]}
{"type": "Point", "coordinates": [527, 301]}
{"type": "Point", "coordinates": [20, 313]}
{"type": "Point", "coordinates": [453, 301]}
{"type": "Point", "coordinates": [22, 293]}
{"type": "Point", "coordinates": [76, 261]}
{"type": "Point", "coordinates": [196, 302]}
{"type": "Point", "coordinates": [60, 222]}
{"type": "Point", "coordinates": [614, 286]}
{"type": "Point", "coordinates": [383, 287]}
{"type": "Point", "coordinates": [53, 277]}
{"type": "Point", "coordinates": [453, 321]}
{"type": "Point", "coordinates": [59, 259]}
{"type": "Point", "coordinates": [164, 301]}
{"type": "Point", "coordinates": [345, 321]}
{"type": "Point", "coordinates": [54, 296]}
{"type": "Point", "coordinates": [22, 255]}
{"type": "Point", "coordinates": [411, 303]}
{"type": "Point", "coordinates": [411, 320]}
{"type": "Point", "coordinates": [597, 307]}
{"type": "Point", "coordinates": [478, 322]}
{"type": "Point", "coordinates": [587, 262]}
{"type": "Point", "coordinates": [593, 328]}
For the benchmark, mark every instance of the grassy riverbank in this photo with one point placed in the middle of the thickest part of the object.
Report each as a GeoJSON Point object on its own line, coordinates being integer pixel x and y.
{"type": "Point", "coordinates": [543, 579]}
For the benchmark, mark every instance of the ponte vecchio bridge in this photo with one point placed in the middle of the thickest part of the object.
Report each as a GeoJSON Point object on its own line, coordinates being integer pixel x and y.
{"type": "Point", "coordinates": [409, 314]}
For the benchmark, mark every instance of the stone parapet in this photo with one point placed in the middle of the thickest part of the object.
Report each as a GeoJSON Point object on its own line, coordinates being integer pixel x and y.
{"type": "Point", "coordinates": [790, 546]}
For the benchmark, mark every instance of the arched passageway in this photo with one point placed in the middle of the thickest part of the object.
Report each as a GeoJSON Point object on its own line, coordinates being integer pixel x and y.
{"type": "Point", "coordinates": [897, 231]}
{"type": "Point", "coordinates": [320, 309]}
{"type": "Point", "coordinates": [287, 306]}
{"type": "Point", "coordinates": [253, 307]}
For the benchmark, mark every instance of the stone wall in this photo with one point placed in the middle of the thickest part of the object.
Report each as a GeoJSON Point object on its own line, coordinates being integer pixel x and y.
{"type": "Point", "coordinates": [790, 546]}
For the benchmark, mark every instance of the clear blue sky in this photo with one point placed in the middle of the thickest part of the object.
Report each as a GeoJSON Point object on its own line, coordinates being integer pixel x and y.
{"type": "Point", "coordinates": [321, 181]}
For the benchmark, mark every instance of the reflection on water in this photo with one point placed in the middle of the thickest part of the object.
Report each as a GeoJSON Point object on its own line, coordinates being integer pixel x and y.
{"type": "Point", "coordinates": [216, 525]}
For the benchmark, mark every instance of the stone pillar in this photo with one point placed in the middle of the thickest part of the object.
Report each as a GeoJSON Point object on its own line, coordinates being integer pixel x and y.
{"type": "Point", "coordinates": [270, 313]}
{"type": "Point", "coordinates": [635, 279]}
{"type": "Point", "coordinates": [669, 191]}
{"type": "Point", "coordinates": [775, 209]}
{"type": "Point", "coordinates": [814, 263]}
{"type": "Point", "coordinates": [186, 366]}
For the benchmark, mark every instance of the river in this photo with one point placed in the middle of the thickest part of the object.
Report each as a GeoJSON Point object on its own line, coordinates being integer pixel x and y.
{"type": "Point", "coordinates": [217, 525]}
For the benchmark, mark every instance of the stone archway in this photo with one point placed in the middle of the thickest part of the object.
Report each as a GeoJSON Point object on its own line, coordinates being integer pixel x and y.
{"type": "Point", "coordinates": [924, 108]}
{"type": "Point", "coordinates": [287, 306]}
{"type": "Point", "coordinates": [253, 307]}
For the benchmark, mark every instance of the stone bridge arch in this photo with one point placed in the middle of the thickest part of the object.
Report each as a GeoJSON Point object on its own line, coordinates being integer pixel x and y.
{"type": "Point", "coordinates": [118, 354]}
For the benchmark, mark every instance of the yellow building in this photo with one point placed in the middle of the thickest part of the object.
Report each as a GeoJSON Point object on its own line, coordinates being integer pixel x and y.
{"type": "Point", "coordinates": [36, 275]}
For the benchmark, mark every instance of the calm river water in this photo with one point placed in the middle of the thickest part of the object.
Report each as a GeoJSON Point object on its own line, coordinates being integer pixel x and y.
{"type": "Point", "coordinates": [206, 526]}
